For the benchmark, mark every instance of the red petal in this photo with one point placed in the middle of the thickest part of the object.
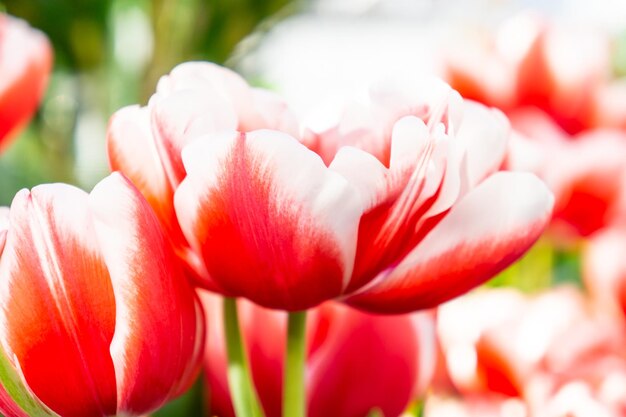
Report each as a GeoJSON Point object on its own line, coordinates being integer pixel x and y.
{"type": "Point", "coordinates": [487, 230]}
{"type": "Point", "coordinates": [133, 151]}
{"type": "Point", "coordinates": [157, 321]}
{"type": "Point", "coordinates": [59, 302]}
{"type": "Point", "coordinates": [272, 222]}
{"type": "Point", "coordinates": [364, 362]}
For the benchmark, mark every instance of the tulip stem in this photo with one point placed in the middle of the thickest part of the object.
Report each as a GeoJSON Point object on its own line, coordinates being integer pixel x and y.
{"type": "Point", "coordinates": [242, 391]}
{"type": "Point", "coordinates": [294, 400]}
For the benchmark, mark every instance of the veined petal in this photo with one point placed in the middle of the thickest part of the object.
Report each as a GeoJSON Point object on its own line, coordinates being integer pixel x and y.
{"type": "Point", "coordinates": [416, 187]}
{"type": "Point", "coordinates": [59, 310]}
{"type": "Point", "coordinates": [156, 313]}
{"type": "Point", "coordinates": [272, 222]}
{"type": "Point", "coordinates": [483, 233]}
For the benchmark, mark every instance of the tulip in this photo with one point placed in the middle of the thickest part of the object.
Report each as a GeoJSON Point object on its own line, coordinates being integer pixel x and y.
{"type": "Point", "coordinates": [533, 63]}
{"type": "Point", "coordinates": [408, 218]}
{"type": "Point", "coordinates": [25, 63]}
{"type": "Point", "coordinates": [96, 319]}
{"type": "Point", "coordinates": [500, 343]}
{"type": "Point", "coordinates": [145, 142]}
{"type": "Point", "coordinates": [588, 178]}
{"type": "Point", "coordinates": [356, 362]}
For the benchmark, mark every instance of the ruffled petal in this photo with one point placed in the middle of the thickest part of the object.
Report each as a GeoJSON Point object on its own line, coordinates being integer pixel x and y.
{"type": "Point", "coordinates": [483, 233]}
{"type": "Point", "coordinates": [272, 222]}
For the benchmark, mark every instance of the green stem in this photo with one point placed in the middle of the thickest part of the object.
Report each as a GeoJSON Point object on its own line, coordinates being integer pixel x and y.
{"type": "Point", "coordinates": [294, 400]}
{"type": "Point", "coordinates": [242, 390]}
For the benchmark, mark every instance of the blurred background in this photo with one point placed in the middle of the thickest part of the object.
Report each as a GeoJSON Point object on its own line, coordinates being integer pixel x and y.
{"type": "Point", "coordinates": [109, 54]}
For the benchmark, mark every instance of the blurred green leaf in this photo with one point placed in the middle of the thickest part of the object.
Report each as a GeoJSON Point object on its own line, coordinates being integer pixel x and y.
{"type": "Point", "coordinates": [190, 404]}
{"type": "Point", "coordinates": [532, 273]}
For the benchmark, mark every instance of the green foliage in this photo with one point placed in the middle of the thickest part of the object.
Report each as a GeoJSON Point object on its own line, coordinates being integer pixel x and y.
{"type": "Point", "coordinates": [190, 404]}
{"type": "Point", "coordinates": [92, 79]}
{"type": "Point", "coordinates": [542, 267]}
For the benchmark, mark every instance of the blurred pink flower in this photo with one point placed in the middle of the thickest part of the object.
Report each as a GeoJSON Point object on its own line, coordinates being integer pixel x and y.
{"type": "Point", "coordinates": [563, 70]}
{"type": "Point", "coordinates": [537, 349]}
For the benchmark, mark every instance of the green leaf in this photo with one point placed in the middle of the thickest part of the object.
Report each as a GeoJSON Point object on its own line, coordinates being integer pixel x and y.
{"type": "Point", "coordinates": [14, 386]}
{"type": "Point", "coordinates": [190, 404]}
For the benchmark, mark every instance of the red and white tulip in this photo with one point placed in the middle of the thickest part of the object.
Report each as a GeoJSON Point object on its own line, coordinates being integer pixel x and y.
{"type": "Point", "coordinates": [96, 319]}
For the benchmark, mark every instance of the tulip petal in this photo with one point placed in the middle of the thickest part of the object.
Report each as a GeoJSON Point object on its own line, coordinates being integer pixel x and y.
{"type": "Point", "coordinates": [484, 132]}
{"type": "Point", "coordinates": [59, 307]}
{"type": "Point", "coordinates": [273, 112]}
{"type": "Point", "coordinates": [152, 341]}
{"type": "Point", "coordinates": [221, 85]}
{"type": "Point", "coordinates": [483, 233]}
{"type": "Point", "coordinates": [183, 116]}
{"type": "Point", "coordinates": [272, 222]}
{"type": "Point", "coordinates": [133, 151]}
{"type": "Point", "coordinates": [360, 358]}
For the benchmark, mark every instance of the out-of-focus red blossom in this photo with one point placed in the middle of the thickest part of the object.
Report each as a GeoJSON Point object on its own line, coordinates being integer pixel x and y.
{"type": "Point", "coordinates": [145, 143]}
{"type": "Point", "coordinates": [400, 209]}
{"type": "Point", "coordinates": [554, 82]}
{"type": "Point", "coordinates": [554, 352]}
{"type": "Point", "coordinates": [353, 359]}
{"type": "Point", "coordinates": [586, 175]}
{"type": "Point", "coordinates": [564, 70]}
{"type": "Point", "coordinates": [96, 319]}
{"type": "Point", "coordinates": [25, 63]}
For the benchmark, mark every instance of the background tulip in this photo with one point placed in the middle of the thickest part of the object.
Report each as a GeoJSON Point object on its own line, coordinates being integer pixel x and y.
{"type": "Point", "coordinates": [353, 358]}
{"type": "Point", "coordinates": [562, 69]}
{"type": "Point", "coordinates": [25, 64]}
{"type": "Point", "coordinates": [95, 317]}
